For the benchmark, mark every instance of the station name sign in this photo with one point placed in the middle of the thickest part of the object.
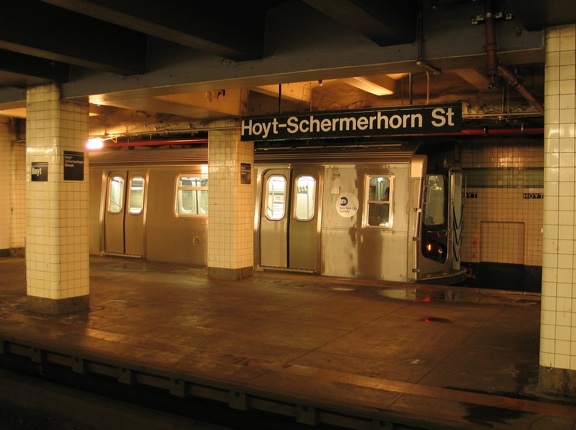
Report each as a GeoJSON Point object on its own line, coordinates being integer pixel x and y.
{"type": "Point", "coordinates": [373, 122]}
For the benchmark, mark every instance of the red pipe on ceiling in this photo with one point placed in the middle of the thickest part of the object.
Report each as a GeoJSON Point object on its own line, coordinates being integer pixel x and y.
{"type": "Point", "coordinates": [501, 131]}
{"type": "Point", "coordinates": [163, 142]}
{"type": "Point", "coordinates": [493, 65]}
{"type": "Point", "coordinates": [518, 131]}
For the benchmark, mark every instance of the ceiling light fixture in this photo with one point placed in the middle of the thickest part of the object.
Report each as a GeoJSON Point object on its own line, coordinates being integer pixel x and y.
{"type": "Point", "coordinates": [96, 143]}
{"type": "Point", "coordinates": [380, 85]}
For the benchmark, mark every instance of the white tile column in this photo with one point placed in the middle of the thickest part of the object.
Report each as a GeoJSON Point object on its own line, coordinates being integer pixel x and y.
{"type": "Point", "coordinates": [4, 187]}
{"type": "Point", "coordinates": [230, 202]}
{"type": "Point", "coordinates": [558, 315]}
{"type": "Point", "coordinates": [17, 194]}
{"type": "Point", "coordinates": [12, 190]}
{"type": "Point", "coordinates": [56, 203]}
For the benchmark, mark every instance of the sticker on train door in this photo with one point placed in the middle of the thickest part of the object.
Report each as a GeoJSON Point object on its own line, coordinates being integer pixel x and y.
{"type": "Point", "coordinates": [347, 205]}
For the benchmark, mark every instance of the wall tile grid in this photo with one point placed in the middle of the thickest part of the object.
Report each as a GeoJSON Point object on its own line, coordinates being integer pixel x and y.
{"type": "Point", "coordinates": [4, 184]}
{"type": "Point", "coordinates": [231, 208]}
{"type": "Point", "coordinates": [503, 210]}
{"type": "Point", "coordinates": [57, 210]}
{"type": "Point", "coordinates": [558, 315]}
{"type": "Point", "coordinates": [18, 196]}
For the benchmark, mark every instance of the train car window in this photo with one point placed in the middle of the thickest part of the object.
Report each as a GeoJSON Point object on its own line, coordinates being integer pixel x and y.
{"type": "Point", "coordinates": [435, 203]}
{"type": "Point", "coordinates": [305, 198]}
{"type": "Point", "coordinates": [191, 195]}
{"type": "Point", "coordinates": [136, 199]}
{"type": "Point", "coordinates": [115, 194]}
{"type": "Point", "coordinates": [379, 192]}
{"type": "Point", "coordinates": [275, 197]}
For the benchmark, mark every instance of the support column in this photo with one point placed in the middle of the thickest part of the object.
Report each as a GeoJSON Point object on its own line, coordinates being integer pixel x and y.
{"type": "Point", "coordinates": [12, 188]}
{"type": "Point", "coordinates": [5, 156]}
{"type": "Point", "coordinates": [230, 203]}
{"type": "Point", "coordinates": [57, 261]}
{"type": "Point", "coordinates": [18, 190]}
{"type": "Point", "coordinates": [558, 315]}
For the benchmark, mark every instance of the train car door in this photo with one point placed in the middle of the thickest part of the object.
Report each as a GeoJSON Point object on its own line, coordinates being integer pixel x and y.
{"type": "Point", "coordinates": [289, 231]}
{"type": "Point", "coordinates": [124, 213]}
{"type": "Point", "coordinates": [456, 189]}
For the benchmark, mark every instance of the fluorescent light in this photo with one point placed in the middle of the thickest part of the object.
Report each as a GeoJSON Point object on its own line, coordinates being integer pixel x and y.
{"type": "Point", "coordinates": [95, 143]}
{"type": "Point", "coordinates": [380, 85]}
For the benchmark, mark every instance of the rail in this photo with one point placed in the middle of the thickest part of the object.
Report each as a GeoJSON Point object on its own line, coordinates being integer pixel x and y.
{"type": "Point", "coordinates": [183, 385]}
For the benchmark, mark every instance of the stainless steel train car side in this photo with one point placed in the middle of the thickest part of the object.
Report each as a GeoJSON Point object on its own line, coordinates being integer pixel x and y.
{"type": "Point", "coordinates": [321, 212]}
{"type": "Point", "coordinates": [134, 208]}
{"type": "Point", "coordinates": [390, 214]}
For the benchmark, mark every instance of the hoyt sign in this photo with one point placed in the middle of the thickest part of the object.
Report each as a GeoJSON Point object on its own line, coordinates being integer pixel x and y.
{"type": "Point", "coordinates": [373, 122]}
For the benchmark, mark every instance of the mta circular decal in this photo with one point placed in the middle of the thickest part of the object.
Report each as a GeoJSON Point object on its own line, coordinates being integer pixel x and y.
{"type": "Point", "coordinates": [347, 205]}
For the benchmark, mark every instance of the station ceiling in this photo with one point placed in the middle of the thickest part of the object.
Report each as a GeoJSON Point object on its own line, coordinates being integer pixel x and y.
{"type": "Point", "coordinates": [142, 63]}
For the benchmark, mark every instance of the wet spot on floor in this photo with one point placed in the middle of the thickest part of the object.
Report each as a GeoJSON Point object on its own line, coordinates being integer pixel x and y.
{"type": "Point", "coordinates": [414, 361]}
{"type": "Point", "coordinates": [399, 293]}
{"type": "Point", "coordinates": [342, 289]}
{"type": "Point", "coordinates": [532, 302]}
{"type": "Point", "coordinates": [129, 267]}
{"type": "Point", "coordinates": [436, 320]}
{"type": "Point", "coordinates": [489, 415]}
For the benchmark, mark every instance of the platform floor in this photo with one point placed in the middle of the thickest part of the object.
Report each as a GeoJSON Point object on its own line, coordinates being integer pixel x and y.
{"type": "Point", "coordinates": [359, 354]}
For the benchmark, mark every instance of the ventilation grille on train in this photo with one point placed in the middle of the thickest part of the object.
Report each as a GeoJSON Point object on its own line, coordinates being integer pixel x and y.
{"type": "Point", "coordinates": [156, 156]}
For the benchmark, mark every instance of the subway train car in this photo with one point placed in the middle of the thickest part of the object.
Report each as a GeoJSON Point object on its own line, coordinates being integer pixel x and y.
{"type": "Point", "coordinates": [149, 204]}
{"type": "Point", "coordinates": [384, 212]}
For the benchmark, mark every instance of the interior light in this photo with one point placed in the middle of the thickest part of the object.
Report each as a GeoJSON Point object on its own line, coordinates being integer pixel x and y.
{"type": "Point", "coordinates": [95, 143]}
{"type": "Point", "coordinates": [379, 85]}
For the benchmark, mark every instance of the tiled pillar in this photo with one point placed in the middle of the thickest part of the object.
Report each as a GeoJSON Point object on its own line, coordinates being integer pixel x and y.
{"type": "Point", "coordinates": [56, 203]}
{"type": "Point", "coordinates": [12, 190]}
{"type": "Point", "coordinates": [558, 316]}
{"type": "Point", "coordinates": [230, 203]}
{"type": "Point", "coordinates": [4, 187]}
{"type": "Point", "coordinates": [18, 198]}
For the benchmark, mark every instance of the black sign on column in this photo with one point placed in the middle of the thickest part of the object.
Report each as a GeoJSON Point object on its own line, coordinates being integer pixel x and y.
{"type": "Point", "coordinates": [39, 171]}
{"type": "Point", "coordinates": [73, 166]}
{"type": "Point", "coordinates": [245, 173]}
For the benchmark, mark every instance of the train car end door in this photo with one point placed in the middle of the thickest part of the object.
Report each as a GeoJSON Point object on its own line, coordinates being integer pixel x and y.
{"type": "Point", "coordinates": [288, 228]}
{"type": "Point", "coordinates": [124, 214]}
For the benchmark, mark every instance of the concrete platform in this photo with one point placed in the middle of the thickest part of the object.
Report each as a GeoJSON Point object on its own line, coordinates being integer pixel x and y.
{"type": "Point", "coordinates": [323, 351]}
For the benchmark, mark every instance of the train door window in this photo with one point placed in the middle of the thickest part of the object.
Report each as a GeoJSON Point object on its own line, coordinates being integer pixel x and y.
{"type": "Point", "coordinates": [305, 198]}
{"type": "Point", "coordinates": [379, 201]}
{"type": "Point", "coordinates": [115, 194]}
{"type": "Point", "coordinates": [136, 198]}
{"type": "Point", "coordinates": [191, 195]}
{"type": "Point", "coordinates": [275, 197]}
{"type": "Point", "coordinates": [435, 203]}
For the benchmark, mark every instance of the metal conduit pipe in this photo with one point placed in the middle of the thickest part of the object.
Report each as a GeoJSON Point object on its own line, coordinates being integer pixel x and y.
{"type": "Point", "coordinates": [464, 132]}
{"type": "Point", "coordinates": [502, 131]}
{"type": "Point", "coordinates": [520, 131]}
{"type": "Point", "coordinates": [515, 83]}
{"type": "Point", "coordinates": [491, 46]}
{"type": "Point", "coordinates": [493, 66]}
{"type": "Point", "coordinates": [159, 142]}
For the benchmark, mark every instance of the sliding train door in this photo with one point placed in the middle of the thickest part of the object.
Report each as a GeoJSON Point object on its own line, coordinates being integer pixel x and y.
{"type": "Point", "coordinates": [289, 220]}
{"type": "Point", "coordinates": [124, 213]}
{"type": "Point", "coordinates": [456, 206]}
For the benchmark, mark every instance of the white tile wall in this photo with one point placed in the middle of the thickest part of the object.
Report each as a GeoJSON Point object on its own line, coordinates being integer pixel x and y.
{"type": "Point", "coordinates": [505, 205]}
{"type": "Point", "coordinates": [558, 316]}
{"type": "Point", "coordinates": [4, 184]}
{"type": "Point", "coordinates": [57, 210]}
{"type": "Point", "coordinates": [18, 196]}
{"type": "Point", "coordinates": [231, 203]}
{"type": "Point", "coordinates": [502, 242]}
